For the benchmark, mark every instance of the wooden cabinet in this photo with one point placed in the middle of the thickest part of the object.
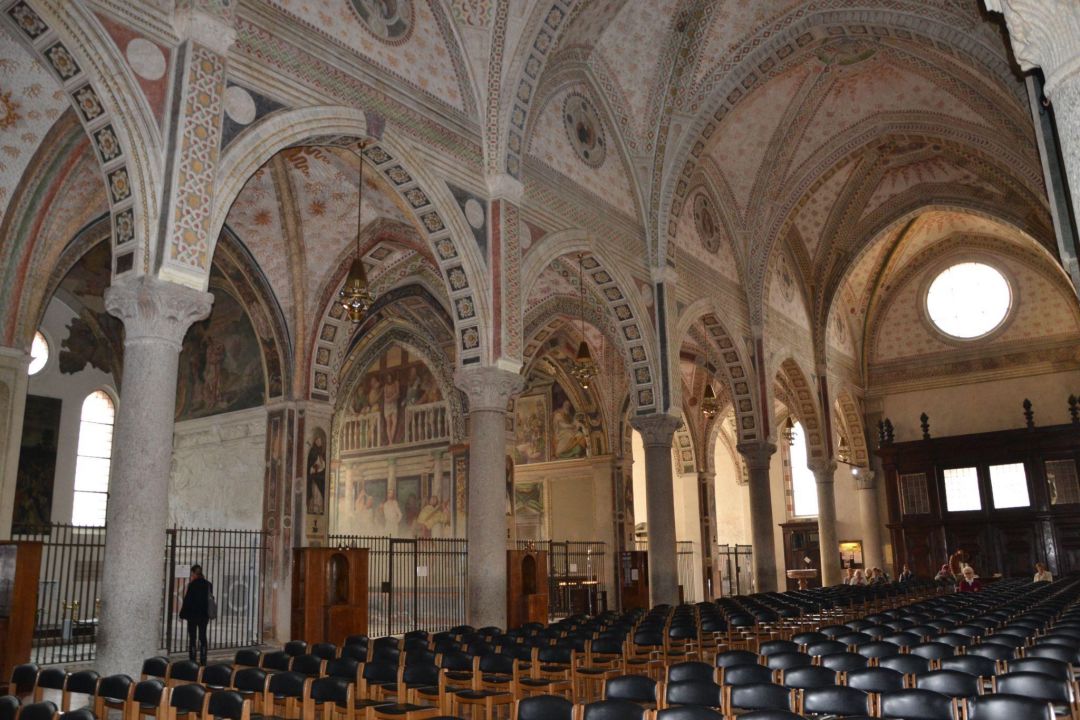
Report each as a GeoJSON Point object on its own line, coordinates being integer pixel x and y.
{"type": "Point", "coordinates": [20, 565]}
{"type": "Point", "coordinates": [801, 542]}
{"type": "Point", "coordinates": [634, 580]}
{"type": "Point", "coordinates": [526, 587]}
{"type": "Point", "coordinates": [329, 594]}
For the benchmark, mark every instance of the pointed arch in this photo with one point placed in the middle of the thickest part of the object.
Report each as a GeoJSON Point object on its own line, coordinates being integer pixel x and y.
{"type": "Point", "coordinates": [852, 421]}
{"type": "Point", "coordinates": [804, 397]}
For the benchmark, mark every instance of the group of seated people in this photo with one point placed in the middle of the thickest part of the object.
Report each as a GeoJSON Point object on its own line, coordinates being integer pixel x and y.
{"type": "Point", "coordinates": [873, 576]}
{"type": "Point", "coordinates": [905, 651]}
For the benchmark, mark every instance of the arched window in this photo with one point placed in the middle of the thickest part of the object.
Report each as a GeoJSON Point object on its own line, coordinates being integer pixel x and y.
{"type": "Point", "coordinates": [94, 459]}
{"type": "Point", "coordinates": [39, 353]}
{"type": "Point", "coordinates": [803, 484]}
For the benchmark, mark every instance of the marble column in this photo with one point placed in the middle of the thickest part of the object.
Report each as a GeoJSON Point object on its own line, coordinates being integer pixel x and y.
{"type": "Point", "coordinates": [831, 573]}
{"type": "Point", "coordinates": [13, 383]}
{"type": "Point", "coordinates": [1046, 34]}
{"type": "Point", "coordinates": [656, 434]}
{"type": "Point", "coordinates": [489, 391]}
{"type": "Point", "coordinates": [866, 490]}
{"type": "Point", "coordinates": [156, 316]}
{"type": "Point", "coordinates": [758, 457]}
{"type": "Point", "coordinates": [707, 520]}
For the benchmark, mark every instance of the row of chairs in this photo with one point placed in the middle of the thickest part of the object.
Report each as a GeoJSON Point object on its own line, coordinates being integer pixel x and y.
{"type": "Point", "coordinates": [12, 709]}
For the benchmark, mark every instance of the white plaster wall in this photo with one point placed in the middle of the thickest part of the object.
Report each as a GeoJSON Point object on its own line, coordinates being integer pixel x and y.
{"type": "Point", "coordinates": [217, 471]}
{"type": "Point", "coordinates": [779, 514]}
{"type": "Point", "coordinates": [982, 407]}
{"type": "Point", "coordinates": [71, 390]}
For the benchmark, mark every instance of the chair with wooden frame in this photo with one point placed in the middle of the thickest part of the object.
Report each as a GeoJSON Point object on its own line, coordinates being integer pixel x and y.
{"type": "Point", "coordinates": [83, 682]}
{"type": "Point", "coordinates": [494, 685]}
{"type": "Point", "coordinates": [252, 684]}
{"type": "Point", "coordinates": [332, 698]}
{"type": "Point", "coordinates": [284, 693]}
{"type": "Point", "coordinates": [150, 698]}
{"type": "Point", "coordinates": [227, 705]}
{"type": "Point", "coordinates": [50, 678]}
{"type": "Point", "coordinates": [187, 701]}
{"type": "Point", "coordinates": [603, 659]}
{"type": "Point", "coordinates": [113, 693]}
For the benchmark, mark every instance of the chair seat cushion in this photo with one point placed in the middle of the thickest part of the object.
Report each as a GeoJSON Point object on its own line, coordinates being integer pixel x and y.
{"type": "Point", "coordinates": [497, 679]}
{"type": "Point", "coordinates": [478, 694]}
{"type": "Point", "coordinates": [401, 708]}
{"type": "Point", "coordinates": [362, 703]}
{"type": "Point", "coordinates": [459, 675]}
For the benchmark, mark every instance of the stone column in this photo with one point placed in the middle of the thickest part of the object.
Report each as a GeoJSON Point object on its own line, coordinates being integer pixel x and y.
{"type": "Point", "coordinates": [866, 490]}
{"type": "Point", "coordinates": [758, 457]}
{"type": "Point", "coordinates": [13, 383]}
{"type": "Point", "coordinates": [1046, 34]}
{"type": "Point", "coordinates": [489, 391]}
{"type": "Point", "coordinates": [707, 520]}
{"type": "Point", "coordinates": [156, 316]}
{"type": "Point", "coordinates": [656, 434]}
{"type": "Point", "coordinates": [831, 573]}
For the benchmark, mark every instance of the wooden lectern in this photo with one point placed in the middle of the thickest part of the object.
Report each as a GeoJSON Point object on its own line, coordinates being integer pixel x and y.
{"type": "Point", "coordinates": [329, 594]}
{"type": "Point", "coordinates": [634, 579]}
{"type": "Point", "coordinates": [20, 565]}
{"type": "Point", "coordinates": [526, 587]}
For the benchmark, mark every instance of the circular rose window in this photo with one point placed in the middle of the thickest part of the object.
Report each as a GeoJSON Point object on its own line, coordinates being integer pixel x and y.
{"type": "Point", "coordinates": [968, 300]}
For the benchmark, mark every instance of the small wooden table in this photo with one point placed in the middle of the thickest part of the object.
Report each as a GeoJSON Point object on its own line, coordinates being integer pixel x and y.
{"type": "Point", "coordinates": [802, 576]}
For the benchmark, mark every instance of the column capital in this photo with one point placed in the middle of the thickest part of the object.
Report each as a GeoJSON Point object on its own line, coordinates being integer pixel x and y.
{"type": "Point", "coordinates": [706, 474]}
{"type": "Point", "coordinates": [154, 310]}
{"type": "Point", "coordinates": [506, 187]}
{"type": "Point", "coordinates": [488, 388]}
{"type": "Point", "coordinates": [865, 479]}
{"type": "Point", "coordinates": [823, 470]}
{"type": "Point", "coordinates": [208, 22]}
{"type": "Point", "coordinates": [656, 430]}
{"type": "Point", "coordinates": [757, 455]}
{"type": "Point", "coordinates": [1043, 33]}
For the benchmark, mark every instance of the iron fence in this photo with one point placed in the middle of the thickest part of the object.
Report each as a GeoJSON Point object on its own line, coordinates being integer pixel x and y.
{"type": "Point", "coordinates": [577, 576]}
{"type": "Point", "coordinates": [413, 583]}
{"type": "Point", "coordinates": [233, 561]}
{"type": "Point", "coordinates": [736, 569]}
{"type": "Point", "coordinates": [687, 564]}
{"type": "Point", "coordinates": [65, 625]}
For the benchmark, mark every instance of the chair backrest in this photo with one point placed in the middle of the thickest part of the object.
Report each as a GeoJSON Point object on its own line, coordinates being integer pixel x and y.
{"type": "Point", "coordinates": [295, 648]}
{"type": "Point", "coordinates": [772, 647]}
{"type": "Point", "coordinates": [9, 707]}
{"type": "Point", "coordinates": [226, 704]}
{"type": "Point", "coordinates": [907, 664]}
{"type": "Point", "coordinates": [288, 684]}
{"type": "Point", "coordinates": [785, 660]}
{"type": "Point", "coordinates": [84, 682]}
{"type": "Point", "coordinates": [190, 697]}
{"type": "Point", "coordinates": [156, 666]}
{"type": "Point", "coordinates": [1034, 685]}
{"type": "Point", "coordinates": [875, 679]}
{"type": "Point", "coordinates": [308, 664]}
{"type": "Point", "coordinates": [23, 677]}
{"type": "Point", "coordinates": [835, 700]}
{"type": "Point", "coordinates": [324, 650]}
{"type": "Point", "coordinates": [343, 668]}
{"type": "Point", "coordinates": [878, 649]}
{"type": "Point", "coordinates": [545, 707]}
{"type": "Point", "coordinates": [330, 689]}
{"type": "Point", "coordinates": [704, 693]}
{"type": "Point", "coordinates": [759, 696]}
{"type": "Point", "coordinates": [380, 671]}
{"type": "Point", "coordinates": [385, 652]}
{"type": "Point", "coordinates": [183, 670]}
{"type": "Point", "coordinates": [356, 640]}
{"type": "Point", "coordinates": [844, 661]}
{"type": "Point", "coordinates": [691, 670]}
{"type": "Point", "coordinates": [217, 675]}
{"type": "Point", "coordinates": [277, 661]}
{"type": "Point", "coordinates": [993, 652]}
{"type": "Point", "coordinates": [247, 657]}
{"type": "Point", "coordinates": [52, 678]}
{"type": "Point", "coordinates": [44, 710]}
{"type": "Point", "coordinates": [825, 647]}
{"type": "Point", "coordinates": [635, 688]}
{"type": "Point", "coordinates": [115, 687]}
{"type": "Point", "coordinates": [1007, 640]}
{"type": "Point", "coordinates": [932, 650]}
{"type": "Point", "coordinates": [916, 704]}
{"type": "Point", "coordinates": [80, 714]}
{"type": "Point", "coordinates": [736, 657]}
{"type": "Point", "coordinates": [1046, 666]}
{"type": "Point", "coordinates": [811, 676]}
{"type": "Point", "coordinates": [953, 683]}
{"type": "Point", "coordinates": [149, 691]}
{"type": "Point", "coordinates": [251, 680]}
{"type": "Point", "coordinates": [613, 710]}
{"type": "Point", "coordinates": [1054, 652]}
{"type": "Point", "coordinates": [744, 674]}
{"type": "Point", "coordinates": [1003, 706]}
{"type": "Point", "coordinates": [974, 664]}
{"type": "Point", "coordinates": [355, 652]}
{"type": "Point", "coordinates": [421, 674]}
{"type": "Point", "coordinates": [902, 639]}
{"type": "Point", "coordinates": [689, 712]}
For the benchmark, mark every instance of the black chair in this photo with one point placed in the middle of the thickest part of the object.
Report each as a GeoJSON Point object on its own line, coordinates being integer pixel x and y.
{"type": "Point", "coordinates": [80, 714]}
{"type": "Point", "coordinates": [252, 683]}
{"type": "Point", "coordinates": [217, 676]}
{"type": "Point", "coordinates": [787, 660]}
{"type": "Point", "coordinates": [9, 707]}
{"type": "Point", "coordinates": [907, 664]}
{"type": "Point", "coordinates": [825, 647]}
{"type": "Point", "coordinates": [973, 664]}
{"type": "Point", "coordinates": [878, 649]}
{"type": "Point", "coordinates": [84, 682]}
{"type": "Point", "coordinates": [875, 679]}
{"type": "Point", "coordinates": [1046, 666]}
{"type": "Point", "coordinates": [295, 648]}
{"type": "Point", "coordinates": [44, 710]}
{"type": "Point", "coordinates": [333, 694]}
{"type": "Point", "coordinates": [844, 661]}
{"type": "Point", "coordinates": [836, 700]}
{"type": "Point", "coordinates": [916, 704]}
{"type": "Point", "coordinates": [228, 705]}
{"type": "Point", "coordinates": [1010, 641]}
{"type": "Point", "coordinates": [324, 650]}
{"type": "Point", "coordinates": [703, 693]}
{"type": "Point", "coordinates": [308, 664]}
{"type": "Point", "coordinates": [355, 652]}
{"type": "Point", "coordinates": [23, 678]}
{"type": "Point", "coordinates": [184, 671]}
{"type": "Point", "coordinates": [808, 638]}
{"type": "Point", "coordinates": [150, 699]}
{"type": "Point", "coordinates": [691, 670]}
{"type": "Point", "coordinates": [156, 666]}
{"type": "Point", "coordinates": [613, 710]}
{"type": "Point", "coordinates": [113, 693]}
{"type": "Point", "coordinates": [772, 647]}
{"type": "Point", "coordinates": [757, 696]}
{"type": "Point", "coordinates": [745, 674]}
{"type": "Point", "coordinates": [277, 661]}
{"type": "Point", "coordinates": [186, 700]}
{"type": "Point", "coordinates": [992, 652]}
{"type": "Point", "coordinates": [736, 657]}
{"type": "Point", "coordinates": [932, 650]}
{"type": "Point", "coordinates": [1053, 652]}
{"type": "Point", "coordinates": [285, 693]}
{"type": "Point", "coordinates": [50, 678]}
{"type": "Point", "coordinates": [247, 658]}
{"type": "Point", "coordinates": [1002, 706]}
{"type": "Point", "coordinates": [902, 639]}
{"type": "Point", "coordinates": [634, 688]}
{"type": "Point", "coordinates": [544, 707]}
{"type": "Point", "coordinates": [812, 676]}
{"type": "Point", "coordinates": [950, 682]}
{"type": "Point", "coordinates": [689, 712]}
{"type": "Point", "coordinates": [1040, 687]}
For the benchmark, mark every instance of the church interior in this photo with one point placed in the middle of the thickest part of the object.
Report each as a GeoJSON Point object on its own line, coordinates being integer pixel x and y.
{"type": "Point", "coordinates": [621, 303]}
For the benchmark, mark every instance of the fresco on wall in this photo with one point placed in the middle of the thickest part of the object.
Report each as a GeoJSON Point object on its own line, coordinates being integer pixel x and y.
{"type": "Point", "coordinates": [529, 510]}
{"type": "Point", "coordinates": [221, 363]}
{"type": "Point", "coordinates": [396, 402]}
{"type": "Point", "coordinates": [316, 473]}
{"type": "Point", "coordinates": [37, 463]}
{"type": "Point", "coordinates": [94, 337]}
{"type": "Point", "coordinates": [549, 426]}
{"type": "Point", "coordinates": [409, 506]}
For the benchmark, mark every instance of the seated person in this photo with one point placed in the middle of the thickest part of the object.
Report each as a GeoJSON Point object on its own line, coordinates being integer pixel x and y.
{"type": "Point", "coordinates": [905, 575]}
{"type": "Point", "coordinates": [944, 575]}
{"type": "Point", "coordinates": [1042, 574]}
{"type": "Point", "coordinates": [969, 581]}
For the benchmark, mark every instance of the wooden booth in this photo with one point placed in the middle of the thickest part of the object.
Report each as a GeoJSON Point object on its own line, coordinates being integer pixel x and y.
{"type": "Point", "coordinates": [634, 579]}
{"type": "Point", "coordinates": [1007, 499]}
{"type": "Point", "coordinates": [329, 594]}
{"type": "Point", "coordinates": [526, 587]}
{"type": "Point", "coordinates": [20, 565]}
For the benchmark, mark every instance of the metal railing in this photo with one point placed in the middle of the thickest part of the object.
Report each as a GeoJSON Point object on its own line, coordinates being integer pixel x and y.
{"type": "Point", "coordinates": [688, 565]}
{"type": "Point", "coordinates": [577, 576]}
{"type": "Point", "coordinates": [413, 583]}
{"type": "Point", "coordinates": [232, 560]}
{"type": "Point", "coordinates": [65, 628]}
{"type": "Point", "coordinates": [736, 565]}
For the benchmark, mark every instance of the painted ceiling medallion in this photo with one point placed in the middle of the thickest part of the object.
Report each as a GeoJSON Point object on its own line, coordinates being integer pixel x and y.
{"type": "Point", "coordinates": [389, 20]}
{"type": "Point", "coordinates": [584, 130]}
{"type": "Point", "coordinates": [707, 227]}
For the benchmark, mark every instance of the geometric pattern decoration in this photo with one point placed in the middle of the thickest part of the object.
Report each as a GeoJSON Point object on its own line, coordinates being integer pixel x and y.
{"type": "Point", "coordinates": [739, 376]}
{"type": "Point", "coordinates": [98, 123]}
{"type": "Point", "coordinates": [800, 395]}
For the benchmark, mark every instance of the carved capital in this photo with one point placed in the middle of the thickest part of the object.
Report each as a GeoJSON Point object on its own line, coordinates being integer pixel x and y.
{"type": "Point", "coordinates": [505, 186]}
{"type": "Point", "coordinates": [156, 311]}
{"type": "Point", "coordinates": [865, 479]}
{"type": "Point", "coordinates": [823, 470]}
{"type": "Point", "coordinates": [488, 388]}
{"type": "Point", "coordinates": [1044, 33]}
{"type": "Point", "coordinates": [208, 22]}
{"type": "Point", "coordinates": [656, 430]}
{"type": "Point", "coordinates": [757, 456]}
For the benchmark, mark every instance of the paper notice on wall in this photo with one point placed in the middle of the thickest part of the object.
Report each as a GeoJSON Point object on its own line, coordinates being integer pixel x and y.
{"type": "Point", "coordinates": [421, 571]}
{"type": "Point", "coordinates": [573, 567]}
{"type": "Point", "coordinates": [634, 574]}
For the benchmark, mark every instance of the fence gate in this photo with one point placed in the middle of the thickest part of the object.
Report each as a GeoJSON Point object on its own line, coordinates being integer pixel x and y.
{"type": "Point", "coordinates": [232, 560]}
{"type": "Point", "coordinates": [736, 569]}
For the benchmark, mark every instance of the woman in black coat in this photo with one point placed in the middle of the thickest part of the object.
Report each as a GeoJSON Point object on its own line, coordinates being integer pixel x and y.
{"type": "Point", "coordinates": [196, 610]}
